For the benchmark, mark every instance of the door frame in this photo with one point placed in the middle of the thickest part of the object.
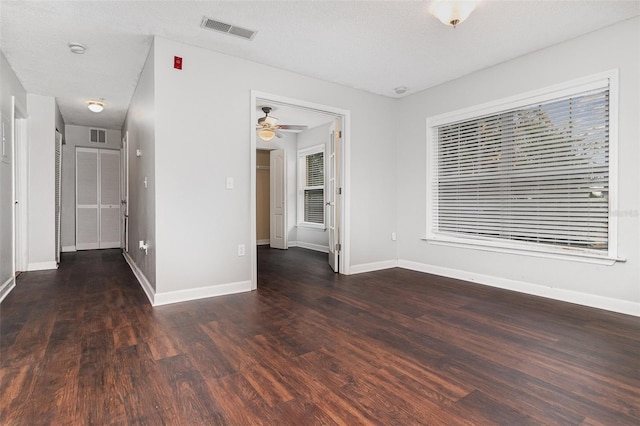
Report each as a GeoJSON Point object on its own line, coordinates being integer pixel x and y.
{"type": "Point", "coordinates": [345, 206]}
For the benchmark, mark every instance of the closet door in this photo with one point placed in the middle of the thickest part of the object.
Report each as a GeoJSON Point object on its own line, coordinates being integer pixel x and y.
{"type": "Point", "coordinates": [109, 198]}
{"type": "Point", "coordinates": [97, 198]}
{"type": "Point", "coordinates": [87, 211]}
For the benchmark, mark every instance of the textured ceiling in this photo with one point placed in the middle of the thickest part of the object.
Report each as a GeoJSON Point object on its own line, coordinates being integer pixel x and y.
{"type": "Point", "coordinates": [374, 46]}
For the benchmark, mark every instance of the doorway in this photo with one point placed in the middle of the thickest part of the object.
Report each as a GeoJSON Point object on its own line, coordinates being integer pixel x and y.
{"type": "Point", "coordinates": [335, 202]}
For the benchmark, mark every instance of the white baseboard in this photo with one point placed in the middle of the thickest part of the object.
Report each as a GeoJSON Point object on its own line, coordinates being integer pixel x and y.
{"type": "Point", "coordinates": [6, 287]}
{"type": "Point", "coordinates": [201, 293]}
{"type": "Point", "coordinates": [41, 266]}
{"type": "Point", "coordinates": [310, 246]}
{"type": "Point", "coordinates": [591, 300]}
{"type": "Point", "coordinates": [142, 279]}
{"type": "Point", "coordinates": [158, 299]}
{"type": "Point", "coordinates": [263, 242]}
{"type": "Point", "coordinates": [374, 266]}
{"type": "Point", "coordinates": [66, 249]}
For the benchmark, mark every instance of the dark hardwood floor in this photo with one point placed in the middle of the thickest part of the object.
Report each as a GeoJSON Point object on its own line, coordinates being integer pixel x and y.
{"type": "Point", "coordinates": [81, 345]}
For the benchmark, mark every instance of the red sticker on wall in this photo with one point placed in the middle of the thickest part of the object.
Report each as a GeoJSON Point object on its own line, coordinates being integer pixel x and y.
{"type": "Point", "coordinates": [177, 62]}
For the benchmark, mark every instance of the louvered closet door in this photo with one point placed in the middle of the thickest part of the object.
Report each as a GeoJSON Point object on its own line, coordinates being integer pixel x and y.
{"type": "Point", "coordinates": [87, 211]}
{"type": "Point", "coordinates": [97, 198]}
{"type": "Point", "coordinates": [109, 199]}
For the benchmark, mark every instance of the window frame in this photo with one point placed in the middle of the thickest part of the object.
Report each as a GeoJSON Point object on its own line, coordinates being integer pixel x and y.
{"type": "Point", "coordinates": [563, 90]}
{"type": "Point", "coordinates": [303, 153]}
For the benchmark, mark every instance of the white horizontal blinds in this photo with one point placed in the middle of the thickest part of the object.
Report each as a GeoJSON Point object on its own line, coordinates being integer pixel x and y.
{"type": "Point", "coordinates": [537, 174]}
{"type": "Point", "coordinates": [314, 188]}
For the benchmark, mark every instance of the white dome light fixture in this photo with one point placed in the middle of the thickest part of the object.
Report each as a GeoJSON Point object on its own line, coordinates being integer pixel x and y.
{"type": "Point", "coordinates": [452, 12]}
{"type": "Point", "coordinates": [95, 106]}
{"type": "Point", "coordinates": [266, 134]}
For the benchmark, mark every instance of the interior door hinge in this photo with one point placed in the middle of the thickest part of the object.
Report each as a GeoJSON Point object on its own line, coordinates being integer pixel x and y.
{"type": "Point", "coordinates": [338, 247]}
{"type": "Point", "coordinates": [338, 134]}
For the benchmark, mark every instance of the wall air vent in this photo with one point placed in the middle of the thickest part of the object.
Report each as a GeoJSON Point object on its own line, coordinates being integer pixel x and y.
{"type": "Point", "coordinates": [99, 135]}
{"type": "Point", "coordinates": [212, 24]}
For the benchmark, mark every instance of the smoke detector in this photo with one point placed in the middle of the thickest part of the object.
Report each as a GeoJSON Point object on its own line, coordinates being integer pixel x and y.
{"type": "Point", "coordinates": [77, 48]}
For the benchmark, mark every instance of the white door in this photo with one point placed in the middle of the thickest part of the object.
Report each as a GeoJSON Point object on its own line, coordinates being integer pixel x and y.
{"type": "Point", "coordinates": [278, 201]}
{"type": "Point", "coordinates": [125, 192]}
{"type": "Point", "coordinates": [58, 197]}
{"type": "Point", "coordinates": [97, 198]}
{"type": "Point", "coordinates": [334, 194]}
{"type": "Point", "coordinates": [87, 199]}
{"type": "Point", "coordinates": [110, 206]}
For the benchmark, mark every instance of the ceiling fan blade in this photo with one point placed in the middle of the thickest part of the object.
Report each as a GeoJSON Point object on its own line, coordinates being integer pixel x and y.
{"type": "Point", "coordinates": [279, 133]}
{"type": "Point", "coordinates": [292, 127]}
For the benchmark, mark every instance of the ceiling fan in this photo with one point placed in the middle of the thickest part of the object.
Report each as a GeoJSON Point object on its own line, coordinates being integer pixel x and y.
{"type": "Point", "coordinates": [268, 126]}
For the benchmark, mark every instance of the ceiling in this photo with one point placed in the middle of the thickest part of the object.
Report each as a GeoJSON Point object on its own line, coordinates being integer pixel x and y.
{"type": "Point", "coordinates": [371, 45]}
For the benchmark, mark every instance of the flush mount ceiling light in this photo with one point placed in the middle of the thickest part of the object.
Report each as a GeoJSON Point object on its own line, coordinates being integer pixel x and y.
{"type": "Point", "coordinates": [95, 106]}
{"type": "Point", "coordinates": [77, 48]}
{"type": "Point", "coordinates": [452, 12]}
{"type": "Point", "coordinates": [266, 134]}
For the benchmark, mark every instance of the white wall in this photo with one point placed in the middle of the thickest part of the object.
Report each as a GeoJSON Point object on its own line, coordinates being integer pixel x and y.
{"type": "Point", "coordinates": [139, 126]}
{"type": "Point", "coordinates": [313, 237]}
{"type": "Point", "coordinates": [41, 182]}
{"type": "Point", "coordinates": [203, 127]}
{"type": "Point", "coordinates": [9, 86]}
{"type": "Point", "coordinates": [77, 136]}
{"type": "Point", "coordinates": [614, 287]}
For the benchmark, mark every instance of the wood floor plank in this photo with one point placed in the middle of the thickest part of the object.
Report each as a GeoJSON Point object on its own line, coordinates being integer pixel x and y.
{"type": "Point", "coordinates": [81, 345]}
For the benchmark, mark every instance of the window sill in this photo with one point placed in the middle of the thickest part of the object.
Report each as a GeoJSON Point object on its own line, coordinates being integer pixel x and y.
{"type": "Point", "coordinates": [570, 255]}
{"type": "Point", "coordinates": [313, 226]}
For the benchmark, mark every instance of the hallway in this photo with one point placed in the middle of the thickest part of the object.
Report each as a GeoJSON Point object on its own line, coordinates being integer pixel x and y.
{"type": "Point", "coordinates": [82, 345]}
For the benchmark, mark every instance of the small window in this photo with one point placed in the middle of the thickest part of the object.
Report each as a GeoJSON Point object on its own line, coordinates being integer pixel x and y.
{"type": "Point", "coordinates": [311, 187]}
{"type": "Point", "coordinates": [532, 173]}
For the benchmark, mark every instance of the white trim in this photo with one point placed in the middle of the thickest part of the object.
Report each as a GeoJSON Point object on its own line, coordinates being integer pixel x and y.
{"type": "Point", "coordinates": [66, 249]}
{"type": "Point", "coordinates": [591, 300]}
{"type": "Point", "coordinates": [142, 279]}
{"type": "Point", "coordinates": [301, 177]}
{"type": "Point", "coordinates": [374, 266]}
{"type": "Point", "coordinates": [264, 242]}
{"type": "Point", "coordinates": [201, 293]}
{"type": "Point", "coordinates": [310, 246]}
{"type": "Point", "coordinates": [6, 288]}
{"type": "Point", "coordinates": [575, 255]}
{"type": "Point", "coordinates": [345, 220]}
{"type": "Point", "coordinates": [42, 266]}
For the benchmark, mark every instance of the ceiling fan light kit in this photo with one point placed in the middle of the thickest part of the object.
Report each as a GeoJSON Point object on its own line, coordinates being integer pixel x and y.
{"type": "Point", "coordinates": [268, 126]}
{"type": "Point", "coordinates": [266, 134]}
{"type": "Point", "coordinates": [452, 12]}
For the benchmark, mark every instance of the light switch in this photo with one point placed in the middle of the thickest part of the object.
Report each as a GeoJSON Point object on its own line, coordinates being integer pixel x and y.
{"type": "Point", "coordinates": [229, 183]}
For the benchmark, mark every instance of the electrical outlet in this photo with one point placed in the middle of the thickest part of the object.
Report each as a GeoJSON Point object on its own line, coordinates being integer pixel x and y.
{"type": "Point", "coordinates": [393, 236]}
{"type": "Point", "coordinates": [240, 249]}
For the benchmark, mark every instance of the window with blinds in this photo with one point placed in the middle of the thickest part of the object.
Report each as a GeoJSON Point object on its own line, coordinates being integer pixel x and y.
{"type": "Point", "coordinates": [311, 186]}
{"type": "Point", "coordinates": [529, 174]}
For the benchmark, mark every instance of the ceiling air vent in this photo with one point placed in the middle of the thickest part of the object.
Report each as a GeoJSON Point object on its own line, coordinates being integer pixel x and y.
{"type": "Point", "coordinates": [214, 25]}
{"type": "Point", "coordinates": [99, 135]}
